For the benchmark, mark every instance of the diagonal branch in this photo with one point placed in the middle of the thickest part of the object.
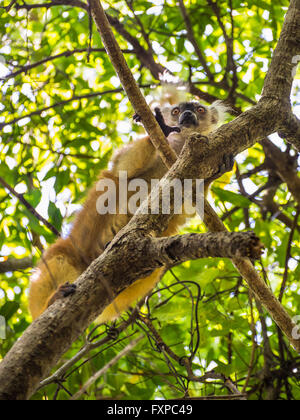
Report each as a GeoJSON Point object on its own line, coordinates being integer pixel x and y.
{"type": "Point", "coordinates": [145, 56]}
{"type": "Point", "coordinates": [231, 66]}
{"type": "Point", "coordinates": [279, 79]}
{"type": "Point", "coordinates": [29, 207]}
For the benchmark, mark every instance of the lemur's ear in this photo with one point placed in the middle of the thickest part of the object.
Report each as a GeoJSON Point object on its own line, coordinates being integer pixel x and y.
{"type": "Point", "coordinates": [219, 111]}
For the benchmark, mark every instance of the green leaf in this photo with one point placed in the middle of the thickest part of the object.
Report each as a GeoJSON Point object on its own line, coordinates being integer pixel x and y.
{"type": "Point", "coordinates": [9, 309]}
{"type": "Point", "coordinates": [231, 197]}
{"type": "Point", "coordinates": [62, 179]}
{"type": "Point", "coordinates": [55, 215]}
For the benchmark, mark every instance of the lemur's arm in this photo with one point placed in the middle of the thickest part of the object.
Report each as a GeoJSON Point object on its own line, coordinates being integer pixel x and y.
{"type": "Point", "coordinates": [140, 155]}
{"type": "Point", "coordinates": [166, 129]}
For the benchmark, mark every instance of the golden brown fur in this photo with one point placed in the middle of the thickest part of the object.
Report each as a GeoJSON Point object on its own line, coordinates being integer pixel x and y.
{"type": "Point", "coordinates": [65, 260]}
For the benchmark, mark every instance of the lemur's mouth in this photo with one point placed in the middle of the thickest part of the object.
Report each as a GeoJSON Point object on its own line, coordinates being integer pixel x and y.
{"type": "Point", "coordinates": [188, 118]}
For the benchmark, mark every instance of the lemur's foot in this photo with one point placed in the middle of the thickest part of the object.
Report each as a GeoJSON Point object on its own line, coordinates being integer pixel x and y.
{"type": "Point", "coordinates": [63, 291]}
{"type": "Point", "coordinates": [226, 166]}
{"type": "Point", "coordinates": [160, 119]}
{"type": "Point", "coordinates": [136, 118]}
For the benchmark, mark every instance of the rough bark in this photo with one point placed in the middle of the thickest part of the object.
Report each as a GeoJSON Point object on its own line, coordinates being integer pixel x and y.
{"type": "Point", "coordinates": [285, 166]}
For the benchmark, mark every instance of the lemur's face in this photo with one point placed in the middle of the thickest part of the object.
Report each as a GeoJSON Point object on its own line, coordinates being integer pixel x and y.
{"type": "Point", "coordinates": [191, 117]}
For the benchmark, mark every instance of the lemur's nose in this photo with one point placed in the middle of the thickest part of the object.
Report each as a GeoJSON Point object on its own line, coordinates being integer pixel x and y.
{"type": "Point", "coordinates": [188, 118]}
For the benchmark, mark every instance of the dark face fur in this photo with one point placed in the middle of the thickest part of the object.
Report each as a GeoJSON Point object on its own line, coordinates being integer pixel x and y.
{"type": "Point", "coordinates": [191, 117]}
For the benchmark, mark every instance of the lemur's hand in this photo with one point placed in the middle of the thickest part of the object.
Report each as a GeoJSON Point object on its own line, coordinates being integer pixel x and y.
{"type": "Point", "coordinates": [160, 119]}
{"type": "Point", "coordinates": [63, 291]}
{"type": "Point", "coordinates": [165, 128]}
{"type": "Point", "coordinates": [226, 166]}
{"type": "Point", "coordinates": [136, 118]}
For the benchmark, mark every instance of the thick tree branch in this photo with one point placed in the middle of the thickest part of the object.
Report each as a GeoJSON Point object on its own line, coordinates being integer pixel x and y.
{"type": "Point", "coordinates": [177, 249]}
{"type": "Point", "coordinates": [280, 76]}
{"type": "Point", "coordinates": [285, 166]}
{"type": "Point", "coordinates": [290, 130]}
{"type": "Point", "coordinates": [52, 333]}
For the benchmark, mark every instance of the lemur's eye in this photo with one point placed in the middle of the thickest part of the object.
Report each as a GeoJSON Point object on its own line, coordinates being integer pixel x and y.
{"type": "Point", "coordinates": [201, 109]}
{"type": "Point", "coordinates": [175, 111]}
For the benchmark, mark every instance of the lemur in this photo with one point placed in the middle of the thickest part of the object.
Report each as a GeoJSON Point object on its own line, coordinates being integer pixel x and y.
{"type": "Point", "coordinates": [68, 257]}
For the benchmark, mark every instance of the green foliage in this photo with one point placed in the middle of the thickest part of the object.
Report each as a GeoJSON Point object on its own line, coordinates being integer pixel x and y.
{"type": "Point", "coordinates": [56, 137]}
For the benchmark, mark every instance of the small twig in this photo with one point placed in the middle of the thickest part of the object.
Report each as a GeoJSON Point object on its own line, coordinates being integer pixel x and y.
{"type": "Point", "coordinates": [90, 345]}
{"type": "Point", "coordinates": [288, 255]}
{"type": "Point", "coordinates": [254, 171]}
{"type": "Point", "coordinates": [140, 24]}
{"type": "Point", "coordinates": [7, 8]}
{"type": "Point", "coordinates": [29, 207]}
{"type": "Point", "coordinates": [102, 371]}
{"type": "Point", "coordinates": [15, 264]}
{"type": "Point", "coordinates": [231, 66]}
